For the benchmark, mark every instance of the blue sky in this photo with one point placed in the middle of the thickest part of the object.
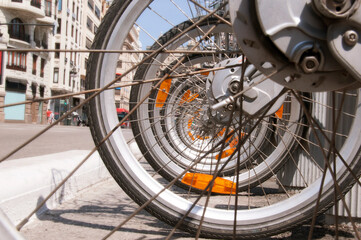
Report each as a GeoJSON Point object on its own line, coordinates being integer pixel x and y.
{"type": "Point", "coordinates": [155, 25]}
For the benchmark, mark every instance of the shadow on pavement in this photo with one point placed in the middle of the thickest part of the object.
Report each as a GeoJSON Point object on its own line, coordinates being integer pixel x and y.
{"type": "Point", "coordinates": [96, 216]}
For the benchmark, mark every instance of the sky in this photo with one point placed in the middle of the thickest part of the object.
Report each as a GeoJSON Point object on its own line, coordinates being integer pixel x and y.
{"type": "Point", "coordinates": [157, 26]}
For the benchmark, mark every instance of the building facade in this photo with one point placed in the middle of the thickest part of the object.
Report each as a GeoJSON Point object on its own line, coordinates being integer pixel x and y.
{"type": "Point", "coordinates": [62, 25]}
{"type": "Point", "coordinates": [25, 24]}
{"type": "Point", "coordinates": [66, 64]}
{"type": "Point", "coordinates": [44, 24]}
{"type": "Point", "coordinates": [125, 62]}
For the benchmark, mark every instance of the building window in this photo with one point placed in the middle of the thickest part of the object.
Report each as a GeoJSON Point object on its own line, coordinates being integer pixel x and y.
{"type": "Point", "coordinates": [16, 30]}
{"type": "Point", "coordinates": [57, 46]}
{"type": "Point", "coordinates": [69, 82]}
{"type": "Point", "coordinates": [58, 30]}
{"type": "Point", "coordinates": [72, 31]}
{"type": "Point", "coordinates": [91, 4]}
{"type": "Point", "coordinates": [82, 84]}
{"type": "Point", "coordinates": [95, 29]}
{"type": "Point", "coordinates": [1, 66]}
{"type": "Point", "coordinates": [73, 11]}
{"type": "Point", "coordinates": [89, 24]}
{"type": "Point", "coordinates": [35, 59]}
{"type": "Point", "coordinates": [15, 86]}
{"type": "Point", "coordinates": [119, 64]}
{"type": "Point", "coordinates": [76, 36]}
{"type": "Point", "coordinates": [88, 43]}
{"type": "Point", "coordinates": [56, 75]}
{"type": "Point", "coordinates": [60, 5]}
{"type": "Point", "coordinates": [42, 67]}
{"type": "Point", "coordinates": [17, 0]}
{"type": "Point", "coordinates": [41, 91]}
{"type": "Point", "coordinates": [36, 3]}
{"type": "Point", "coordinates": [44, 42]}
{"type": "Point", "coordinates": [17, 61]}
{"type": "Point", "coordinates": [48, 8]}
{"type": "Point", "coordinates": [97, 12]}
{"type": "Point", "coordinates": [64, 77]}
{"type": "Point", "coordinates": [36, 37]}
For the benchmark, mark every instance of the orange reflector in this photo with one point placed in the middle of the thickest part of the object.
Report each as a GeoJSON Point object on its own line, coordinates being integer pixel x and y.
{"type": "Point", "coordinates": [279, 112]}
{"type": "Point", "coordinates": [193, 97]}
{"type": "Point", "coordinates": [220, 133]}
{"type": "Point", "coordinates": [234, 142]}
{"type": "Point", "coordinates": [187, 97]}
{"type": "Point", "coordinates": [190, 121]}
{"type": "Point", "coordinates": [163, 92]}
{"type": "Point", "coordinates": [202, 138]}
{"type": "Point", "coordinates": [205, 73]}
{"type": "Point", "coordinates": [226, 153]}
{"type": "Point", "coordinates": [229, 138]}
{"type": "Point", "coordinates": [191, 136]}
{"type": "Point", "coordinates": [200, 181]}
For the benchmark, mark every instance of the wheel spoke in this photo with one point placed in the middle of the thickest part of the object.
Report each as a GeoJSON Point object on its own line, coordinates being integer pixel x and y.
{"type": "Point", "coordinates": [220, 144]}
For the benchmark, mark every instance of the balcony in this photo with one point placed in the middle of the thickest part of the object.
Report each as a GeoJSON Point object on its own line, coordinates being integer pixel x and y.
{"type": "Point", "coordinates": [16, 61]}
{"type": "Point", "coordinates": [24, 37]}
{"type": "Point", "coordinates": [18, 68]}
{"type": "Point", "coordinates": [33, 8]}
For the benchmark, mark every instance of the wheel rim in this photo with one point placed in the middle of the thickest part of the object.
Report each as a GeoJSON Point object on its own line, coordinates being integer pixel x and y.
{"type": "Point", "coordinates": [245, 218]}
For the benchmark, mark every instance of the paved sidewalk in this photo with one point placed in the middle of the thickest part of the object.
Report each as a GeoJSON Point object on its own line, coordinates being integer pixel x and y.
{"type": "Point", "coordinates": [97, 210]}
{"type": "Point", "coordinates": [32, 173]}
{"type": "Point", "coordinates": [25, 182]}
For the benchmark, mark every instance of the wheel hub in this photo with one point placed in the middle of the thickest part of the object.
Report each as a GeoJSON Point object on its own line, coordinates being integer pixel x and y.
{"type": "Point", "coordinates": [226, 83]}
{"type": "Point", "coordinates": [293, 46]}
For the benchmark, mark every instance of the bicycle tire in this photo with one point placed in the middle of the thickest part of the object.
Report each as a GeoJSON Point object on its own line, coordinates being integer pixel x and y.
{"type": "Point", "coordinates": [253, 223]}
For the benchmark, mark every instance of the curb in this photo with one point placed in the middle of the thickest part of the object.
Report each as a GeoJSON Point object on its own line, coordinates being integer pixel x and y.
{"type": "Point", "coordinates": [26, 182]}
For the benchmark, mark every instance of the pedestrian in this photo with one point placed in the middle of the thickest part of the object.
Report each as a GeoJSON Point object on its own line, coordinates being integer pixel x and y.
{"type": "Point", "coordinates": [79, 121]}
{"type": "Point", "coordinates": [48, 115]}
{"type": "Point", "coordinates": [51, 118]}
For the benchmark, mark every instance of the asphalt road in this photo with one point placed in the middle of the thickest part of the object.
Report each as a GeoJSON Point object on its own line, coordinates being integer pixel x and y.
{"type": "Point", "coordinates": [57, 139]}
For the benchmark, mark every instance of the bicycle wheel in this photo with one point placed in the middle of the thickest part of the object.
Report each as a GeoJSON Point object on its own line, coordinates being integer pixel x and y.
{"type": "Point", "coordinates": [261, 210]}
{"type": "Point", "coordinates": [177, 123]}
